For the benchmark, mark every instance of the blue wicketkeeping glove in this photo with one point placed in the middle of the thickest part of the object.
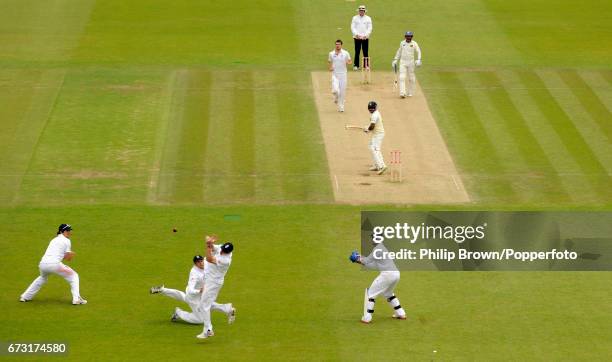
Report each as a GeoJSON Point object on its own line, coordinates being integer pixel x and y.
{"type": "Point", "coordinates": [354, 257]}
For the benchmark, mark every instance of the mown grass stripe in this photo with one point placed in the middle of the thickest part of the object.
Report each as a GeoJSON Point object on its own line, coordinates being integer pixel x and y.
{"type": "Point", "coordinates": [189, 178]}
{"type": "Point", "coordinates": [177, 90]}
{"type": "Point", "coordinates": [243, 137]}
{"type": "Point", "coordinates": [268, 184]}
{"type": "Point", "coordinates": [479, 161]}
{"type": "Point", "coordinates": [219, 181]}
{"type": "Point", "coordinates": [549, 184]}
{"type": "Point", "coordinates": [565, 129]}
{"type": "Point", "coordinates": [302, 154]}
{"type": "Point", "coordinates": [589, 101]}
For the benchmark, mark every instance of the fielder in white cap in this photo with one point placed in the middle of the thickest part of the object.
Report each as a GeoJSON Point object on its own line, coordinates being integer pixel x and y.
{"type": "Point", "coordinates": [361, 27]}
{"type": "Point", "coordinates": [409, 57]}
{"type": "Point", "coordinates": [338, 60]}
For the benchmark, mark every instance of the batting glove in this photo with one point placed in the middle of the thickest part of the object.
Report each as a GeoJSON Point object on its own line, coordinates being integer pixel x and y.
{"type": "Point", "coordinates": [354, 257]}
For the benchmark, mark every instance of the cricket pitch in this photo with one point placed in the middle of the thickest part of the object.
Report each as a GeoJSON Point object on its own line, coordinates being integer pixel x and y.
{"type": "Point", "coordinates": [428, 174]}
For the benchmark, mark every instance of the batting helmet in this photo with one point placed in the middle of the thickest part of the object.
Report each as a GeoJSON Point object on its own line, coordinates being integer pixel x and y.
{"type": "Point", "coordinates": [372, 105]}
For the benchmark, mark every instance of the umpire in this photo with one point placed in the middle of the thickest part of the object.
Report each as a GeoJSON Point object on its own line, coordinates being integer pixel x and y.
{"type": "Point", "coordinates": [361, 27]}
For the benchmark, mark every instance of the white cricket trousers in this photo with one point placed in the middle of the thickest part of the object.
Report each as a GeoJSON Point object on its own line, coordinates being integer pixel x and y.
{"type": "Point", "coordinates": [195, 303]}
{"type": "Point", "coordinates": [407, 68]}
{"type": "Point", "coordinates": [339, 82]}
{"type": "Point", "coordinates": [211, 291]}
{"type": "Point", "coordinates": [375, 148]}
{"type": "Point", "coordinates": [384, 284]}
{"type": "Point", "coordinates": [60, 269]}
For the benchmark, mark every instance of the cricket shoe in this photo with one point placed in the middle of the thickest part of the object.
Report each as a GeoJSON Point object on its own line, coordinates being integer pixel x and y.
{"type": "Point", "coordinates": [409, 94]}
{"type": "Point", "coordinates": [155, 290]}
{"type": "Point", "coordinates": [382, 170]}
{"type": "Point", "coordinates": [341, 109]}
{"type": "Point", "coordinates": [402, 95]}
{"type": "Point", "coordinates": [22, 299]}
{"type": "Point", "coordinates": [175, 317]}
{"type": "Point", "coordinates": [373, 168]}
{"type": "Point", "coordinates": [79, 301]}
{"type": "Point", "coordinates": [231, 317]}
{"type": "Point", "coordinates": [365, 321]}
{"type": "Point", "coordinates": [355, 68]}
{"type": "Point", "coordinates": [206, 334]}
{"type": "Point", "coordinates": [399, 317]}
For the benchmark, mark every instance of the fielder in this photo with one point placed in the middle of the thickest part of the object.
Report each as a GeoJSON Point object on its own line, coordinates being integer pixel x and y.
{"type": "Point", "coordinates": [384, 284]}
{"type": "Point", "coordinates": [337, 61]}
{"type": "Point", "coordinates": [59, 249]}
{"type": "Point", "coordinates": [377, 131]}
{"type": "Point", "coordinates": [193, 296]}
{"type": "Point", "coordinates": [407, 63]}
{"type": "Point", "coordinates": [218, 260]}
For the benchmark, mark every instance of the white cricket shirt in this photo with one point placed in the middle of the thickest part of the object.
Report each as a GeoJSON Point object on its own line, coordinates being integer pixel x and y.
{"type": "Point", "coordinates": [375, 260]}
{"type": "Point", "coordinates": [196, 281]}
{"type": "Point", "coordinates": [58, 246]}
{"type": "Point", "coordinates": [339, 60]}
{"type": "Point", "coordinates": [215, 273]}
{"type": "Point", "coordinates": [376, 118]}
{"type": "Point", "coordinates": [361, 25]}
{"type": "Point", "coordinates": [407, 51]}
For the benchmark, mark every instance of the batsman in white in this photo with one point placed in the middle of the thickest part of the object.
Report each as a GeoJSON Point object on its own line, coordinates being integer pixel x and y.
{"type": "Point", "coordinates": [377, 131]}
{"type": "Point", "coordinates": [409, 57]}
{"type": "Point", "coordinates": [337, 62]}
{"type": "Point", "coordinates": [193, 296]}
{"type": "Point", "coordinates": [218, 260]}
{"type": "Point", "coordinates": [59, 249]}
{"type": "Point", "coordinates": [384, 284]}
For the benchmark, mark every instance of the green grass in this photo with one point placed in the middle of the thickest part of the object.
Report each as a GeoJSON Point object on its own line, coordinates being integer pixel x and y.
{"type": "Point", "coordinates": [297, 295]}
{"type": "Point", "coordinates": [129, 118]}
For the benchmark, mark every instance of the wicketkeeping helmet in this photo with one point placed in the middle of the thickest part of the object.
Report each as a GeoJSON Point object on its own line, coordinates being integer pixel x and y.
{"type": "Point", "coordinates": [372, 105]}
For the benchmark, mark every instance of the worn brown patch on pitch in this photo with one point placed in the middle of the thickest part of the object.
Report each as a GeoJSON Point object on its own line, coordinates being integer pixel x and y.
{"type": "Point", "coordinates": [428, 173]}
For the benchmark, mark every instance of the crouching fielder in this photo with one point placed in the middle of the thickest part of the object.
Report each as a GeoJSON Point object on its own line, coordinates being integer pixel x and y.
{"type": "Point", "coordinates": [218, 260]}
{"type": "Point", "coordinates": [193, 296]}
{"type": "Point", "coordinates": [407, 62]}
{"type": "Point", "coordinates": [59, 249]}
{"type": "Point", "coordinates": [384, 284]}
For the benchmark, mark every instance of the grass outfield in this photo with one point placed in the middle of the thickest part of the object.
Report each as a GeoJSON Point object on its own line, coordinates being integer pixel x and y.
{"type": "Point", "coordinates": [128, 118]}
{"type": "Point", "coordinates": [297, 295]}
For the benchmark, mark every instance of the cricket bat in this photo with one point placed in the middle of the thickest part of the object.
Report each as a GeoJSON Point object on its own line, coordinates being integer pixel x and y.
{"type": "Point", "coordinates": [352, 126]}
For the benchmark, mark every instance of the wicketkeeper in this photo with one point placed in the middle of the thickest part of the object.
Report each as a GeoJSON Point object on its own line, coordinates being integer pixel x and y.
{"type": "Point", "coordinates": [384, 284]}
{"type": "Point", "coordinates": [409, 57]}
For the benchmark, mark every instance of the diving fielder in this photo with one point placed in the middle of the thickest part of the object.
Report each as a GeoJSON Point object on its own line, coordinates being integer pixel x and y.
{"type": "Point", "coordinates": [59, 249]}
{"type": "Point", "coordinates": [193, 296]}
{"type": "Point", "coordinates": [337, 60]}
{"type": "Point", "coordinates": [409, 57]}
{"type": "Point", "coordinates": [384, 284]}
{"type": "Point", "coordinates": [218, 260]}
{"type": "Point", "coordinates": [377, 131]}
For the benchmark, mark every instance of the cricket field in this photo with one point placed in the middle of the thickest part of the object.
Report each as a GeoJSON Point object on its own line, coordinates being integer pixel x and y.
{"type": "Point", "coordinates": [127, 119]}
